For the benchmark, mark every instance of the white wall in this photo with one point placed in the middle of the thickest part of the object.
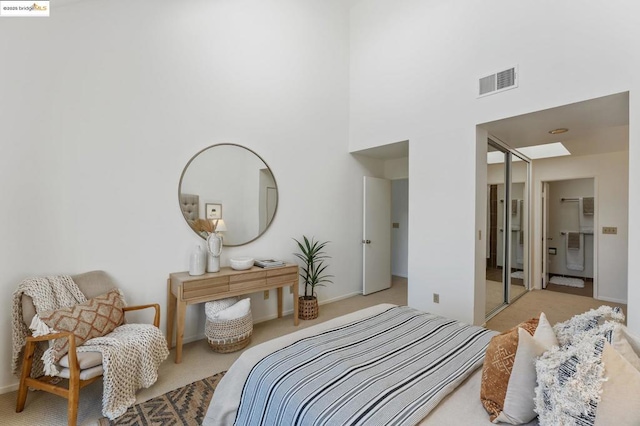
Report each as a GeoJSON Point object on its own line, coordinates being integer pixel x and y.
{"type": "Point", "coordinates": [563, 217]}
{"type": "Point", "coordinates": [397, 168]}
{"type": "Point", "coordinates": [414, 73]}
{"type": "Point", "coordinates": [102, 106]}
{"type": "Point", "coordinates": [400, 235]}
{"type": "Point", "coordinates": [611, 173]}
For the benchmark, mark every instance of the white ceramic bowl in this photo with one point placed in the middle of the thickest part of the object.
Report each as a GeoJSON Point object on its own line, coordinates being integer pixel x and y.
{"type": "Point", "coordinates": [241, 263]}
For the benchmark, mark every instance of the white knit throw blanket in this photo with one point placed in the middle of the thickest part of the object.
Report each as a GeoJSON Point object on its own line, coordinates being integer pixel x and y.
{"type": "Point", "coordinates": [131, 355]}
{"type": "Point", "coordinates": [47, 293]}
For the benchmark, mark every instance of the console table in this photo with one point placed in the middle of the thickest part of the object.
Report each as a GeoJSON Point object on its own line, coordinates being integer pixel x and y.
{"type": "Point", "coordinates": [184, 289]}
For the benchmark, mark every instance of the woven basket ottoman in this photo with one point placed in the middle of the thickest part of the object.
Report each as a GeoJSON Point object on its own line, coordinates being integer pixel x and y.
{"type": "Point", "coordinates": [226, 336]}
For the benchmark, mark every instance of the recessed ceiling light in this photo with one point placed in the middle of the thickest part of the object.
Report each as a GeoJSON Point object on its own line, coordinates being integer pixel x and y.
{"type": "Point", "coordinates": [558, 131]}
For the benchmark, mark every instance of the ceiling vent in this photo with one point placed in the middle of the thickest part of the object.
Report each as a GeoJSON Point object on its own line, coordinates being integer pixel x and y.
{"type": "Point", "coordinates": [498, 82]}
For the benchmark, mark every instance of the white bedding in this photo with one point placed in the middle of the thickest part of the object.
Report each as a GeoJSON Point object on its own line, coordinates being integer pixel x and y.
{"type": "Point", "coordinates": [462, 407]}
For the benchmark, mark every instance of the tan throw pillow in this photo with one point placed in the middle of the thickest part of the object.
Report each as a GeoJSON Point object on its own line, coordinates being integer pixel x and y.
{"type": "Point", "coordinates": [94, 318]}
{"type": "Point", "coordinates": [626, 345]}
{"type": "Point", "coordinates": [619, 398]}
{"type": "Point", "coordinates": [508, 376]}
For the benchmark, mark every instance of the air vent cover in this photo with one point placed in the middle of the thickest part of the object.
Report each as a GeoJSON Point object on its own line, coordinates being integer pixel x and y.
{"type": "Point", "coordinates": [498, 82]}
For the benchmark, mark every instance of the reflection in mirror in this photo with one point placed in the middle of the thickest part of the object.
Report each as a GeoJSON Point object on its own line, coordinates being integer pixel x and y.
{"type": "Point", "coordinates": [519, 230]}
{"type": "Point", "coordinates": [507, 228]}
{"type": "Point", "coordinates": [232, 185]}
{"type": "Point", "coordinates": [495, 289]}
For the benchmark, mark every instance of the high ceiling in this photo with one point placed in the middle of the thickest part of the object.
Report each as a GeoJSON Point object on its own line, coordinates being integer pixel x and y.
{"type": "Point", "coordinates": [595, 126]}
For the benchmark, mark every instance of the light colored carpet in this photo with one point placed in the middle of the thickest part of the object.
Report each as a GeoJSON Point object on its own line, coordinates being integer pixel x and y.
{"type": "Point", "coordinates": [199, 361]}
{"type": "Point", "coordinates": [494, 296]}
{"type": "Point", "coordinates": [568, 281]}
{"type": "Point", "coordinates": [557, 307]}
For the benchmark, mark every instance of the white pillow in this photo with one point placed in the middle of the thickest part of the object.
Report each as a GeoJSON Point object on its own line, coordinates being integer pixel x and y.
{"type": "Point", "coordinates": [214, 307]}
{"type": "Point", "coordinates": [519, 401]}
{"type": "Point", "coordinates": [236, 311]}
{"type": "Point", "coordinates": [619, 399]}
{"type": "Point", "coordinates": [626, 345]}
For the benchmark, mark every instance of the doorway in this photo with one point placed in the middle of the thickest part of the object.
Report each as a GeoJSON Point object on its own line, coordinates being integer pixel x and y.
{"type": "Point", "coordinates": [569, 213]}
{"type": "Point", "coordinates": [388, 163]}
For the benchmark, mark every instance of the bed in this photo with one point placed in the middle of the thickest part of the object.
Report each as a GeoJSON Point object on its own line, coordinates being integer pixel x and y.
{"type": "Point", "coordinates": [437, 376]}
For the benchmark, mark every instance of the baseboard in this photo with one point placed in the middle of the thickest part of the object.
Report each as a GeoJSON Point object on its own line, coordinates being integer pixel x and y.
{"type": "Point", "coordinates": [201, 336]}
{"type": "Point", "coordinates": [10, 388]}
{"type": "Point", "coordinates": [290, 311]}
{"type": "Point", "coordinates": [611, 299]}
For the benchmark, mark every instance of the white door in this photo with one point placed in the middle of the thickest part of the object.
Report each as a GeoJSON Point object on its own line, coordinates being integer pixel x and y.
{"type": "Point", "coordinates": [545, 234]}
{"type": "Point", "coordinates": [376, 238]}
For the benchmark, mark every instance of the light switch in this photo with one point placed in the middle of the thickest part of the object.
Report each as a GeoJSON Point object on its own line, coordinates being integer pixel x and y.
{"type": "Point", "coordinates": [395, 225]}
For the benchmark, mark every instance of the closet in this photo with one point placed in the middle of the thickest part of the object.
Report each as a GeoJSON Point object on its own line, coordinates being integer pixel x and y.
{"type": "Point", "coordinates": [507, 267]}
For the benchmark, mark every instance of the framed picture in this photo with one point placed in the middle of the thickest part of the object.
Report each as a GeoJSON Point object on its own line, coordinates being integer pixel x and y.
{"type": "Point", "coordinates": [213, 211]}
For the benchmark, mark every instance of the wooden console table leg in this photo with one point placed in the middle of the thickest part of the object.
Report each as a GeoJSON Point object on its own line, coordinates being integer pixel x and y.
{"type": "Point", "coordinates": [171, 314]}
{"type": "Point", "coordinates": [296, 320]}
{"type": "Point", "coordinates": [181, 310]}
{"type": "Point", "coordinates": [279, 302]}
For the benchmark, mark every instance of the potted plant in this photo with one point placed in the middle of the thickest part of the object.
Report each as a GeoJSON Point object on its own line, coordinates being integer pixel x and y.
{"type": "Point", "coordinates": [313, 273]}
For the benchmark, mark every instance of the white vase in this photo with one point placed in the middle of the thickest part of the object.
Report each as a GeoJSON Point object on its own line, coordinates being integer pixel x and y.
{"type": "Point", "coordinates": [214, 247]}
{"type": "Point", "coordinates": [197, 261]}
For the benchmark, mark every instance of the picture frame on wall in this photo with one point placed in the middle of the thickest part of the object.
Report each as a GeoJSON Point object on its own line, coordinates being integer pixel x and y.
{"type": "Point", "coordinates": [213, 211]}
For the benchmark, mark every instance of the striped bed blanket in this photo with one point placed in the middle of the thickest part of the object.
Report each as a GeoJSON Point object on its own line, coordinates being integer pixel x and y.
{"type": "Point", "coordinates": [388, 369]}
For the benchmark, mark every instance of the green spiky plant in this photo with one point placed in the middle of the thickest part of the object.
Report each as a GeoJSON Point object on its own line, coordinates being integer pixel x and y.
{"type": "Point", "coordinates": [313, 268]}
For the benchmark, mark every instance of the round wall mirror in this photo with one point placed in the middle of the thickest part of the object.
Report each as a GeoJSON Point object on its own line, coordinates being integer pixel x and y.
{"type": "Point", "coordinates": [231, 186]}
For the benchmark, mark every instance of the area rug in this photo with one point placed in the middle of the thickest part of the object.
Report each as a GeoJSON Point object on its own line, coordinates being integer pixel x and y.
{"type": "Point", "coordinates": [569, 282]}
{"type": "Point", "coordinates": [518, 274]}
{"type": "Point", "coordinates": [183, 406]}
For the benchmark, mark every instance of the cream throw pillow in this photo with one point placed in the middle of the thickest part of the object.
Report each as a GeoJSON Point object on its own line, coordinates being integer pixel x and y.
{"type": "Point", "coordinates": [509, 376]}
{"type": "Point", "coordinates": [619, 401]}
{"type": "Point", "coordinates": [626, 345]}
{"type": "Point", "coordinates": [519, 401]}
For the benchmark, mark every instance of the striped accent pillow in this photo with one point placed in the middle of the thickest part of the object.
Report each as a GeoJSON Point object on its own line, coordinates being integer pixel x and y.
{"type": "Point", "coordinates": [94, 318]}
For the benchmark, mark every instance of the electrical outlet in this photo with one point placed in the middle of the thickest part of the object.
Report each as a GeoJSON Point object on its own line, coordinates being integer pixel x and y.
{"type": "Point", "coordinates": [436, 298]}
{"type": "Point", "coordinates": [609, 230]}
{"type": "Point", "coordinates": [266, 294]}
{"type": "Point", "coordinates": [290, 289]}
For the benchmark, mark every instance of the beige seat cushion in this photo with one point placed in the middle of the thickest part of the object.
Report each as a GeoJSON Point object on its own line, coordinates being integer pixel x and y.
{"type": "Point", "coordinates": [87, 374]}
{"type": "Point", "coordinates": [85, 360]}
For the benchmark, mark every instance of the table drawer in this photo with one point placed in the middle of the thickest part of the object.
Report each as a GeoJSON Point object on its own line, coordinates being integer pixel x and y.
{"type": "Point", "coordinates": [279, 279]}
{"type": "Point", "coordinates": [248, 285]}
{"type": "Point", "coordinates": [200, 288]}
{"type": "Point", "coordinates": [282, 271]}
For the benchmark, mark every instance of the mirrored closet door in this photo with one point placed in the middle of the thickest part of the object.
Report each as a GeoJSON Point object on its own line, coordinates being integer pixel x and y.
{"type": "Point", "coordinates": [507, 267]}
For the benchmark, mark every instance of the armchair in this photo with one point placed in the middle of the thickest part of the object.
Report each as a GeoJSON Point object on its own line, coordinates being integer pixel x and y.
{"type": "Point", "coordinates": [81, 368]}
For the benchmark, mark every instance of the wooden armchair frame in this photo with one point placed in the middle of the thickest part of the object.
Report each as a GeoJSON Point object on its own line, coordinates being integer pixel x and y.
{"type": "Point", "coordinates": [72, 392]}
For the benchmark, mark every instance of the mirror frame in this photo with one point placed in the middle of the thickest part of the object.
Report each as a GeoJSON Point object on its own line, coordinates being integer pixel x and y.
{"type": "Point", "coordinates": [186, 167]}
